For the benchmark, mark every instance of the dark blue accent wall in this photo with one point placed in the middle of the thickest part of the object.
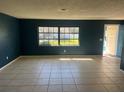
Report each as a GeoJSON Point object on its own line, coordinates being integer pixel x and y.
{"type": "Point", "coordinates": [122, 59]}
{"type": "Point", "coordinates": [120, 40]}
{"type": "Point", "coordinates": [9, 39]}
{"type": "Point", "coordinates": [121, 44]}
{"type": "Point", "coordinates": [90, 33]}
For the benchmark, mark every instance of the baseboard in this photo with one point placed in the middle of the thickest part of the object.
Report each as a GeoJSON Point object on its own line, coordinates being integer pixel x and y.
{"type": "Point", "coordinates": [9, 63]}
{"type": "Point", "coordinates": [122, 71]}
{"type": "Point", "coordinates": [55, 55]}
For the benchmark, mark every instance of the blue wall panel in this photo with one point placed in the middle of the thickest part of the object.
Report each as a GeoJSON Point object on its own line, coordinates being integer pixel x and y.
{"type": "Point", "coordinates": [9, 39]}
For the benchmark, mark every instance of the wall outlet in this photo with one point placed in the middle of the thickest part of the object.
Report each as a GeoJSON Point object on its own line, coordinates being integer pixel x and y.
{"type": "Point", "coordinates": [7, 57]}
{"type": "Point", "coordinates": [64, 51]}
{"type": "Point", "coordinates": [100, 39]}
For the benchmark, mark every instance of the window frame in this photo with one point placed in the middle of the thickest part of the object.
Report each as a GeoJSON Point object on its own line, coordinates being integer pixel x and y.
{"type": "Point", "coordinates": [59, 36]}
{"type": "Point", "coordinates": [69, 34]}
{"type": "Point", "coordinates": [48, 39]}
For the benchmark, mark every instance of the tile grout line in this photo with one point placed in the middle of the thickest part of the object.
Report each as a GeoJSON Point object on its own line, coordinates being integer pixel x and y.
{"type": "Point", "coordinates": [49, 80]}
{"type": "Point", "coordinates": [74, 81]}
{"type": "Point", "coordinates": [39, 77]}
{"type": "Point", "coordinates": [61, 79]}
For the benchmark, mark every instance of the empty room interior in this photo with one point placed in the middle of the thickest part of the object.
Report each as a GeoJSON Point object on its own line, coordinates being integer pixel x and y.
{"type": "Point", "coordinates": [61, 45]}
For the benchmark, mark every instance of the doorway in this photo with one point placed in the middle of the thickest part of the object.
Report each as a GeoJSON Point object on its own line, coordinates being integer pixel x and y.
{"type": "Point", "coordinates": [110, 39]}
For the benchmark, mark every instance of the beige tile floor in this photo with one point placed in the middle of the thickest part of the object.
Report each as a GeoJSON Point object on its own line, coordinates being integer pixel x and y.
{"type": "Point", "coordinates": [69, 73]}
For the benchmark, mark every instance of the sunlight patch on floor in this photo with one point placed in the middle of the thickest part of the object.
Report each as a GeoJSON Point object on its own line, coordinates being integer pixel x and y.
{"type": "Point", "coordinates": [87, 59]}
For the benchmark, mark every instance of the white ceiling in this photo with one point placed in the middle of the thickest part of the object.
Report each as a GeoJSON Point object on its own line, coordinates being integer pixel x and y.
{"type": "Point", "coordinates": [75, 9]}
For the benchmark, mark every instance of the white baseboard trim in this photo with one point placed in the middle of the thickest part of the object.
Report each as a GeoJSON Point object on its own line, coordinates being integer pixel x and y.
{"type": "Point", "coordinates": [122, 70]}
{"type": "Point", "coordinates": [9, 63]}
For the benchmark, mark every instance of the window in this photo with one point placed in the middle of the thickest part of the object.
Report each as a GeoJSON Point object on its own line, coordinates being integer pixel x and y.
{"type": "Point", "coordinates": [69, 36]}
{"type": "Point", "coordinates": [48, 36]}
{"type": "Point", "coordinates": [59, 36]}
